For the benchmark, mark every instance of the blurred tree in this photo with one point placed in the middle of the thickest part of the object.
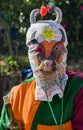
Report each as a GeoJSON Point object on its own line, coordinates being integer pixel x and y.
{"type": "Point", "coordinates": [16, 12]}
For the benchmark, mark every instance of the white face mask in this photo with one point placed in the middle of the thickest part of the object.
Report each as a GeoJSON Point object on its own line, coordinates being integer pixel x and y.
{"type": "Point", "coordinates": [47, 53]}
{"type": "Point", "coordinates": [48, 81]}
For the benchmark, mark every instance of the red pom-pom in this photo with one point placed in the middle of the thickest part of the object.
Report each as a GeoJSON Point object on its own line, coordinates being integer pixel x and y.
{"type": "Point", "coordinates": [43, 10]}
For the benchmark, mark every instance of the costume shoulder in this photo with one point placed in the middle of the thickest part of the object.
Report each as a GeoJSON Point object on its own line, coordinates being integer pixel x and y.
{"type": "Point", "coordinates": [72, 74]}
{"type": "Point", "coordinates": [25, 85]}
{"type": "Point", "coordinates": [21, 89]}
{"type": "Point", "coordinates": [75, 82]}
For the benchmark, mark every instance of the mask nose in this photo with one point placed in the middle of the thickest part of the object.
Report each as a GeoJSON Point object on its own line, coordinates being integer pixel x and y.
{"type": "Point", "coordinates": [47, 65]}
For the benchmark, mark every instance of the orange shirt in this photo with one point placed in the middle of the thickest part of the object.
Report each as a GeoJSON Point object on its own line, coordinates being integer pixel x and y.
{"type": "Point", "coordinates": [25, 106]}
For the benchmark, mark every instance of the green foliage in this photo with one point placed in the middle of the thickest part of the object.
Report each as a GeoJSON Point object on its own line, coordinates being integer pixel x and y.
{"type": "Point", "coordinates": [11, 62]}
{"type": "Point", "coordinates": [23, 62]}
{"type": "Point", "coordinates": [11, 65]}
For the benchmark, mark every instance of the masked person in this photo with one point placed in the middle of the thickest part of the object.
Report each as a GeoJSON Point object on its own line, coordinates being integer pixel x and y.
{"type": "Point", "coordinates": [53, 98]}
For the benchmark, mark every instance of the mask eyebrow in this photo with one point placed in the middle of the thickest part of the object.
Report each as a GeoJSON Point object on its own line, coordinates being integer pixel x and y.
{"type": "Point", "coordinates": [57, 43]}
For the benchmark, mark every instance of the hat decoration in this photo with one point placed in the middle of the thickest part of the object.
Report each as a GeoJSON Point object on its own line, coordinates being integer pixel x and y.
{"type": "Point", "coordinates": [43, 12]}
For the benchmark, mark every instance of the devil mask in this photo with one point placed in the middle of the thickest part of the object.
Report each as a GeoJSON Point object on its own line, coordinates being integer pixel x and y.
{"type": "Point", "coordinates": [46, 41]}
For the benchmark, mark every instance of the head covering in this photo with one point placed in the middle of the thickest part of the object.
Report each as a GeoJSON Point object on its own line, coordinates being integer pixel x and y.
{"type": "Point", "coordinates": [47, 53]}
{"type": "Point", "coordinates": [26, 73]}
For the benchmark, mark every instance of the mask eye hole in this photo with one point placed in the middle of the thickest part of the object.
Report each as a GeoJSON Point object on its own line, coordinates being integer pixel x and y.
{"type": "Point", "coordinates": [34, 41]}
{"type": "Point", "coordinates": [56, 48]}
{"type": "Point", "coordinates": [59, 47]}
